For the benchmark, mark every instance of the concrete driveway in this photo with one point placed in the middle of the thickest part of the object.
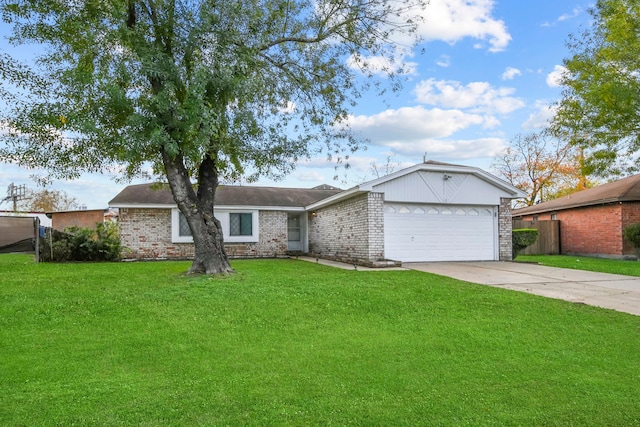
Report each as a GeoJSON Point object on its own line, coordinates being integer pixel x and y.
{"type": "Point", "coordinates": [614, 291]}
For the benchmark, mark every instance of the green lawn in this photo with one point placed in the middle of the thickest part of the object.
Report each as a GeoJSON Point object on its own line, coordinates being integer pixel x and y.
{"type": "Point", "coordinates": [286, 342]}
{"type": "Point", "coordinates": [616, 266]}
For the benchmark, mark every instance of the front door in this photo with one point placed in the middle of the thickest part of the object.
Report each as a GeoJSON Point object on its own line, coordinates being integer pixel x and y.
{"type": "Point", "coordinates": [294, 233]}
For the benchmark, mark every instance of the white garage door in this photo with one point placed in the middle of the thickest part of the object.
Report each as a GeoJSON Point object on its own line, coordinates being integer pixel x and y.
{"type": "Point", "coordinates": [414, 233]}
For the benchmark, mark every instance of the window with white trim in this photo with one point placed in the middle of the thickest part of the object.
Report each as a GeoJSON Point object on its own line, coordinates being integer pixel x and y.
{"type": "Point", "coordinates": [237, 226]}
{"type": "Point", "coordinates": [180, 231]}
{"type": "Point", "coordinates": [183, 226]}
{"type": "Point", "coordinates": [240, 224]}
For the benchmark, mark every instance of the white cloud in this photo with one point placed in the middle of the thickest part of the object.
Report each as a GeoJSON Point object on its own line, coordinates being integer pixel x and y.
{"type": "Point", "coordinates": [452, 148]}
{"type": "Point", "coordinates": [413, 131]}
{"type": "Point", "coordinates": [510, 73]}
{"type": "Point", "coordinates": [411, 124]}
{"type": "Point", "coordinates": [444, 61]}
{"type": "Point", "coordinates": [287, 107]}
{"type": "Point", "coordinates": [541, 118]}
{"type": "Point", "coordinates": [446, 20]}
{"type": "Point", "coordinates": [574, 13]}
{"type": "Point", "coordinates": [554, 78]}
{"type": "Point", "coordinates": [311, 176]}
{"type": "Point", "coordinates": [564, 17]}
{"type": "Point", "coordinates": [478, 97]}
{"type": "Point", "coordinates": [453, 20]}
{"type": "Point", "coordinates": [380, 65]}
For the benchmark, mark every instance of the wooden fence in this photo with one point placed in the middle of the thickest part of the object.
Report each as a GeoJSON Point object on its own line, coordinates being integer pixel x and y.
{"type": "Point", "coordinates": [548, 242]}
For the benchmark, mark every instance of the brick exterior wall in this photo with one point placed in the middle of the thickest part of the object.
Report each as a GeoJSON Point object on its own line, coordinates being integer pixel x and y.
{"type": "Point", "coordinates": [505, 228]}
{"type": "Point", "coordinates": [591, 230]}
{"type": "Point", "coordinates": [351, 230]}
{"type": "Point", "coordinates": [273, 238]}
{"type": "Point", "coordinates": [595, 230]}
{"type": "Point", "coordinates": [146, 234]}
{"type": "Point", "coordinates": [630, 215]}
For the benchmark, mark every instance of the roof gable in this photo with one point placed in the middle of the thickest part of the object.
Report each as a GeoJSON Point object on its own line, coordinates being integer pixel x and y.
{"type": "Point", "coordinates": [439, 167]}
{"type": "Point", "coordinates": [427, 186]}
{"type": "Point", "coordinates": [623, 190]}
{"type": "Point", "coordinates": [481, 187]}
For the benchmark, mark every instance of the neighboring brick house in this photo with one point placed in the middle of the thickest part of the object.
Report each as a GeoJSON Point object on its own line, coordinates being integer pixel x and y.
{"type": "Point", "coordinates": [431, 211]}
{"type": "Point", "coordinates": [592, 220]}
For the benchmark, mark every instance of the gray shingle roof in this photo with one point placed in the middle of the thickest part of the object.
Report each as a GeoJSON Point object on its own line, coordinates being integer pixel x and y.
{"type": "Point", "coordinates": [227, 195]}
{"type": "Point", "coordinates": [624, 190]}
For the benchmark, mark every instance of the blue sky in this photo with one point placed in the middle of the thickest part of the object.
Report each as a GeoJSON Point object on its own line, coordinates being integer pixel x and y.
{"type": "Point", "coordinates": [486, 74]}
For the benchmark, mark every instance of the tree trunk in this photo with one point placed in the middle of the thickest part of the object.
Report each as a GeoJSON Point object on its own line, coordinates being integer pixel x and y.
{"type": "Point", "coordinates": [210, 254]}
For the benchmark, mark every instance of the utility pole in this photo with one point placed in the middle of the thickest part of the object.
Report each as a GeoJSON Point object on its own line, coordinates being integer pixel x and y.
{"type": "Point", "coordinates": [15, 193]}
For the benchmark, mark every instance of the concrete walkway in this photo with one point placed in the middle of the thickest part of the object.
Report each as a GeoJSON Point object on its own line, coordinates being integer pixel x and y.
{"type": "Point", "coordinates": [345, 266]}
{"type": "Point", "coordinates": [614, 291]}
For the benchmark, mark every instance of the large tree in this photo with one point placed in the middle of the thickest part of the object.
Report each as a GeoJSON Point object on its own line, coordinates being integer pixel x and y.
{"type": "Point", "coordinates": [198, 89]}
{"type": "Point", "coordinates": [542, 166]}
{"type": "Point", "coordinates": [600, 105]}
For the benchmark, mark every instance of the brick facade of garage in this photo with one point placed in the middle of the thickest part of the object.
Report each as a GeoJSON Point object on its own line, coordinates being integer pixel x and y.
{"type": "Point", "coordinates": [348, 230]}
{"type": "Point", "coordinates": [505, 228]}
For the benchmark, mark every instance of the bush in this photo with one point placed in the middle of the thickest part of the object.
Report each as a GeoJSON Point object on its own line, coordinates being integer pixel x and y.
{"type": "Point", "coordinates": [82, 244]}
{"type": "Point", "coordinates": [632, 235]}
{"type": "Point", "coordinates": [521, 238]}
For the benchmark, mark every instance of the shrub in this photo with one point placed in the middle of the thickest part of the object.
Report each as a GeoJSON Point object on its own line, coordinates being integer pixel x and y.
{"type": "Point", "coordinates": [82, 244]}
{"type": "Point", "coordinates": [632, 235]}
{"type": "Point", "coordinates": [521, 238]}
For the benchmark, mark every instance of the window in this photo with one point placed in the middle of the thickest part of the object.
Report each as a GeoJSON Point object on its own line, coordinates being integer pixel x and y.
{"type": "Point", "coordinates": [183, 226]}
{"type": "Point", "coordinates": [240, 224]}
{"type": "Point", "coordinates": [180, 231]}
{"type": "Point", "coordinates": [237, 226]}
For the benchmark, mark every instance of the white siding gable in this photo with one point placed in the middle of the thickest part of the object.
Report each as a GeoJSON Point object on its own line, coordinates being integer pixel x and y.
{"type": "Point", "coordinates": [441, 187]}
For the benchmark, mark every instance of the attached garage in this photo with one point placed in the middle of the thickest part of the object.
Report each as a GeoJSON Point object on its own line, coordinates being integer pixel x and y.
{"type": "Point", "coordinates": [428, 212]}
{"type": "Point", "coordinates": [442, 212]}
{"type": "Point", "coordinates": [429, 232]}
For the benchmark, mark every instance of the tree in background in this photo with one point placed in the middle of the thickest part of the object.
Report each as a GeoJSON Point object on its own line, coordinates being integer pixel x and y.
{"type": "Point", "coordinates": [600, 106]}
{"type": "Point", "coordinates": [45, 200]}
{"type": "Point", "coordinates": [388, 167]}
{"type": "Point", "coordinates": [542, 166]}
{"type": "Point", "coordinates": [376, 170]}
{"type": "Point", "coordinates": [198, 89]}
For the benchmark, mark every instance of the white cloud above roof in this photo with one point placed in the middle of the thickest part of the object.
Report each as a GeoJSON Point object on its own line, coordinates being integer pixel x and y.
{"type": "Point", "coordinates": [451, 148]}
{"type": "Point", "coordinates": [416, 130]}
{"type": "Point", "coordinates": [478, 97]}
{"type": "Point", "coordinates": [453, 20]}
{"type": "Point", "coordinates": [409, 123]}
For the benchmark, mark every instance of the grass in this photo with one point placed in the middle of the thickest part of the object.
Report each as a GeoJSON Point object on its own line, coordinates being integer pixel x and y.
{"type": "Point", "coordinates": [603, 265]}
{"type": "Point", "coordinates": [286, 342]}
